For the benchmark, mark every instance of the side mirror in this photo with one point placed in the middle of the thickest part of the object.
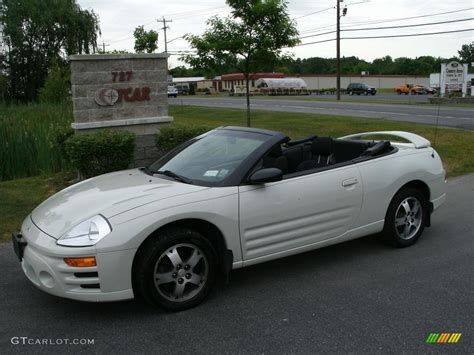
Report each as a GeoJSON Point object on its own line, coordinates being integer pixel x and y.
{"type": "Point", "coordinates": [263, 176]}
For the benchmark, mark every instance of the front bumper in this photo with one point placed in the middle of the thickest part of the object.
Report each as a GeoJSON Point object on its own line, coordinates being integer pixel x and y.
{"type": "Point", "coordinates": [43, 264]}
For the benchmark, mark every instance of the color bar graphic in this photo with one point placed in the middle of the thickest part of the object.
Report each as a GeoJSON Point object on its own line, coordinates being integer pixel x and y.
{"type": "Point", "coordinates": [443, 338]}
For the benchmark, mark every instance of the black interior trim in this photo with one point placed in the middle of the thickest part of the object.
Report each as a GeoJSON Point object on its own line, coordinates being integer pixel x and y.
{"type": "Point", "coordinates": [301, 141]}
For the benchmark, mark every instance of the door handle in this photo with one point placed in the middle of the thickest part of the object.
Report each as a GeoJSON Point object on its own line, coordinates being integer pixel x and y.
{"type": "Point", "coordinates": [350, 182]}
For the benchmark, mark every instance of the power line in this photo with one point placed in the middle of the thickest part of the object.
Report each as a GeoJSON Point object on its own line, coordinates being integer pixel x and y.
{"type": "Point", "coordinates": [193, 13]}
{"type": "Point", "coordinates": [386, 20]}
{"type": "Point", "coordinates": [313, 13]}
{"type": "Point", "coordinates": [404, 26]}
{"type": "Point", "coordinates": [319, 34]}
{"type": "Point", "coordinates": [412, 34]}
{"type": "Point", "coordinates": [180, 16]}
{"type": "Point", "coordinates": [387, 36]}
{"type": "Point", "coordinates": [388, 27]}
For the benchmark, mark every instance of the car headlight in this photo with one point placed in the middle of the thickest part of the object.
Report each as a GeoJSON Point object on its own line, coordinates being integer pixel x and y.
{"type": "Point", "coordinates": [86, 233]}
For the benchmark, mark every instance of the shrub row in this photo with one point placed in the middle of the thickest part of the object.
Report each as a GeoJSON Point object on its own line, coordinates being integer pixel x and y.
{"type": "Point", "coordinates": [173, 135]}
{"type": "Point", "coordinates": [106, 151]}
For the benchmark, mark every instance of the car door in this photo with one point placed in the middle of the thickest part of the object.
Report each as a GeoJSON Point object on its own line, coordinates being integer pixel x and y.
{"type": "Point", "coordinates": [299, 211]}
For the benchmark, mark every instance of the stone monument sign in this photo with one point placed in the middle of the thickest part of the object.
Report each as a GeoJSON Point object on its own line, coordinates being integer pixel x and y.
{"type": "Point", "coordinates": [124, 91]}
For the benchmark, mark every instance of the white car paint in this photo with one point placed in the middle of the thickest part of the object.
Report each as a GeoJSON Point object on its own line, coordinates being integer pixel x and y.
{"type": "Point", "coordinates": [259, 223]}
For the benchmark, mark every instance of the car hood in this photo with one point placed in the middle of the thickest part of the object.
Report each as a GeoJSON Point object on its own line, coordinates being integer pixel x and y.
{"type": "Point", "coordinates": [108, 195]}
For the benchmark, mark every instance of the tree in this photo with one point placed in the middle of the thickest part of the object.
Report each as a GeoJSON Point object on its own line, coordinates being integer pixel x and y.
{"type": "Point", "coordinates": [182, 71]}
{"type": "Point", "coordinates": [252, 37]}
{"type": "Point", "coordinates": [466, 53]}
{"type": "Point", "coordinates": [145, 41]}
{"type": "Point", "coordinates": [57, 85]}
{"type": "Point", "coordinates": [38, 33]}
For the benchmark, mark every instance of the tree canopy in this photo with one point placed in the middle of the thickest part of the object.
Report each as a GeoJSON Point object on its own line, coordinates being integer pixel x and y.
{"type": "Point", "coordinates": [38, 33]}
{"type": "Point", "coordinates": [250, 38]}
{"type": "Point", "coordinates": [466, 53]}
{"type": "Point", "coordinates": [145, 41]}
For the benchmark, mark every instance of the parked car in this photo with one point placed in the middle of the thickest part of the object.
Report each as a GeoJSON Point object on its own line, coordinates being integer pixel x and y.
{"type": "Point", "coordinates": [428, 90]}
{"type": "Point", "coordinates": [172, 91]}
{"type": "Point", "coordinates": [230, 198]}
{"type": "Point", "coordinates": [411, 89]}
{"type": "Point", "coordinates": [360, 88]}
{"type": "Point", "coordinates": [182, 89]}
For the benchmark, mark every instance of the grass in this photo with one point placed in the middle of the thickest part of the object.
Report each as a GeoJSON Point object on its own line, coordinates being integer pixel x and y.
{"type": "Point", "coordinates": [19, 197]}
{"type": "Point", "coordinates": [27, 135]}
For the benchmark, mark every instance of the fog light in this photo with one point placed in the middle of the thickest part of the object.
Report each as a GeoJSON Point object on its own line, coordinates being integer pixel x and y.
{"type": "Point", "coordinates": [87, 261]}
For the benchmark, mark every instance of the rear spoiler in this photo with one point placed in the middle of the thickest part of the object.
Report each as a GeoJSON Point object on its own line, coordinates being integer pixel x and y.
{"type": "Point", "coordinates": [415, 140]}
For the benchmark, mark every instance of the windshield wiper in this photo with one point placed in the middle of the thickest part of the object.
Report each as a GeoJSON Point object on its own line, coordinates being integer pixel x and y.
{"type": "Point", "coordinates": [174, 176]}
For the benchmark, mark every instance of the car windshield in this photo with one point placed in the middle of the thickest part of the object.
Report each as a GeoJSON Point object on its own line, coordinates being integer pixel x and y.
{"type": "Point", "coordinates": [210, 158]}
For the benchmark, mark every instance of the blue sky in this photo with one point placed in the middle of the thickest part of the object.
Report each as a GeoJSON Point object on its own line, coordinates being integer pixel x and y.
{"type": "Point", "coordinates": [118, 18]}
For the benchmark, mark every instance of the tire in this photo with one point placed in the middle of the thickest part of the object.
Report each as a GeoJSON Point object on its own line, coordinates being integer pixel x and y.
{"type": "Point", "coordinates": [399, 92]}
{"type": "Point", "coordinates": [351, 93]}
{"type": "Point", "coordinates": [396, 231]}
{"type": "Point", "coordinates": [182, 285]}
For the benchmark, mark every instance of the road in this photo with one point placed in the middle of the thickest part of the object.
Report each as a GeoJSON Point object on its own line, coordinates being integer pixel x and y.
{"type": "Point", "coordinates": [428, 114]}
{"type": "Point", "coordinates": [384, 96]}
{"type": "Point", "coordinates": [360, 296]}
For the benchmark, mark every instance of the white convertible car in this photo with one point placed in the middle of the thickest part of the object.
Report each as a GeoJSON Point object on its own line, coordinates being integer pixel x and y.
{"type": "Point", "coordinates": [227, 199]}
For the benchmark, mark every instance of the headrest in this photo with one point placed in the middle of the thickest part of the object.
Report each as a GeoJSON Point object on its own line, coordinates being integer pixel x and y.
{"type": "Point", "coordinates": [281, 163]}
{"type": "Point", "coordinates": [322, 146]}
{"type": "Point", "coordinates": [275, 152]}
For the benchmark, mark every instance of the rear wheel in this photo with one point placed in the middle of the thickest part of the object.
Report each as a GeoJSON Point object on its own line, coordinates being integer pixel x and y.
{"type": "Point", "coordinates": [176, 269]}
{"type": "Point", "coordinates": [405, 218]}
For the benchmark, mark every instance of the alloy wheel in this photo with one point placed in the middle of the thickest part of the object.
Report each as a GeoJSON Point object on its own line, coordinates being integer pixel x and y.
{"type": "Point", "coordinates": [408, 218]}
{"type": "Point", "coordinates": [181, 272]}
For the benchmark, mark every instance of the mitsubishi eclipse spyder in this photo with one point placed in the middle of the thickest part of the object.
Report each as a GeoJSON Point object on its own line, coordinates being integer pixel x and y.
{"type": "Point", "coordinates": [230, 198]}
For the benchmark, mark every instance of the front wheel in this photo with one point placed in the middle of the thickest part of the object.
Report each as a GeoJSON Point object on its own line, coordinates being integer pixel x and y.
{"type": "Point", "coordinates": [176, 269]}
{"type": "Point", "coordinates": [405, 218]}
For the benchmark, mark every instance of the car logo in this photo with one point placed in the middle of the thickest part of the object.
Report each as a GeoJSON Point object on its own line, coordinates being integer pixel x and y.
{"type": "Point", "coordinates": [106, 97]}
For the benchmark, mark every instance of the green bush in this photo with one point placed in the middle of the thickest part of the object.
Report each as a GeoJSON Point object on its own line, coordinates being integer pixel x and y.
{"type": "Point", "coordinates": [171, 136]}
{"type": "Point", "coordinates": [101, 152]}
{"type": "Point", "coordinates": [56, 87]}
{"type": "Point", "coordinates": [60, 137]}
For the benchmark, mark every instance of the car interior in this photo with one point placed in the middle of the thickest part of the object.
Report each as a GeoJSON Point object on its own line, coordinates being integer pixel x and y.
{"type": "Point", "coordinates": [297, 157]}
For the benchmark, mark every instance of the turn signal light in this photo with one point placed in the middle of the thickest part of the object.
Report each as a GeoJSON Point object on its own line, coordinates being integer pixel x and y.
{"type": "Point", "coordinates": [87, 261]}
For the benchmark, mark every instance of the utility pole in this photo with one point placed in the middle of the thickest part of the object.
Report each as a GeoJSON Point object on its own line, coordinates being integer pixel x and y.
{"type": "Point", "coordinates": [103, 46]}
{"type": "Point", "coordinates": [338, 50]}
{"type": "Point", "coordinates": [165, 27]}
